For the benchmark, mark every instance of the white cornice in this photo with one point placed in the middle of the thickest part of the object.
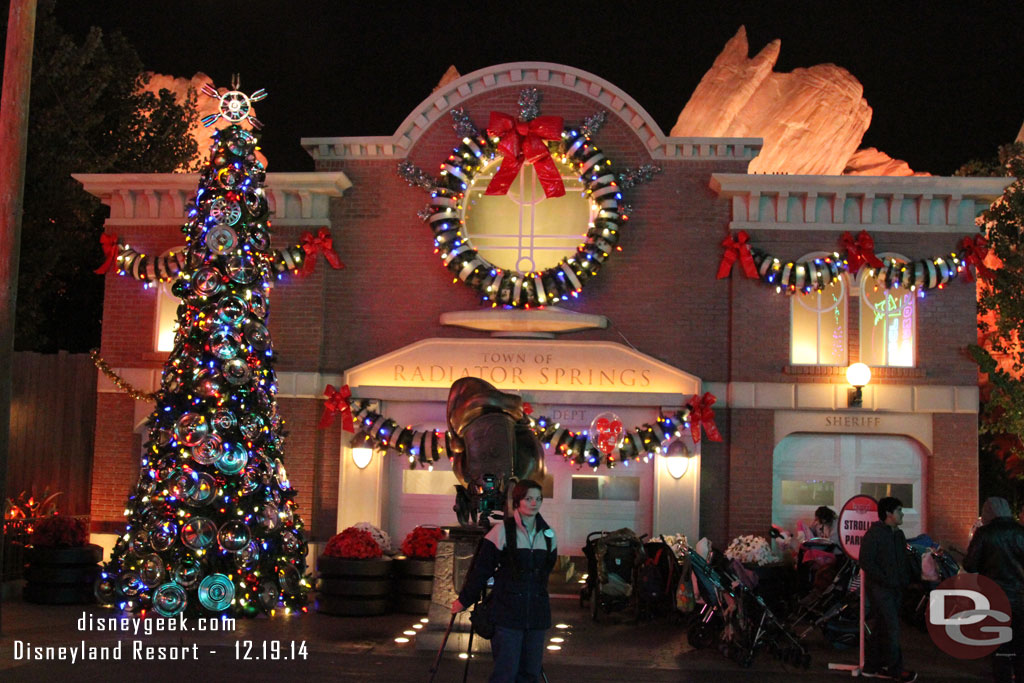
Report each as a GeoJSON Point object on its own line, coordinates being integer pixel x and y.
{"type": "Point", "coordinates": [137, 199]}
{"type": "Point", "coordinates": [524, 74]}
{"type": "Point", "coordinates": [879, 203]}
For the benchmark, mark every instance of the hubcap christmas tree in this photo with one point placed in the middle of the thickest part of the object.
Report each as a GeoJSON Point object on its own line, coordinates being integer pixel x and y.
{"type": "Point", "coordinates": [212, 523]}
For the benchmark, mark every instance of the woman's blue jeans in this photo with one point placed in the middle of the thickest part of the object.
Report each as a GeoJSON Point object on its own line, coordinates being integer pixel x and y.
{"type": "Point", "coordinates": [517, 655]}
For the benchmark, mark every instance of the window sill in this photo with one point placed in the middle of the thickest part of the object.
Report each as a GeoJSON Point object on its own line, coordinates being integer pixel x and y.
{"type": "Point", "coordinates": [840, 371]}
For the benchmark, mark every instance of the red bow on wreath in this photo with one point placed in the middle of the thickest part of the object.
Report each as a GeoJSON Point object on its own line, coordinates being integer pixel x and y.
{"type": "Point", "coordinates": [860, 251]}
{"type": "Point", "coordinates": [736, 248]}
{"type": "Point", "coordinates": [975, 250]}
{"type": "Point", "coordinates": [321, 244]}
{"type": "Point", "coordinates": [337, 402]}
{"type": "Point", "coordinates": [110, 249]}
{"type": "Point", "coordinates": [521, 143]}
{"type": "Point", "coordinates": [701, 414]}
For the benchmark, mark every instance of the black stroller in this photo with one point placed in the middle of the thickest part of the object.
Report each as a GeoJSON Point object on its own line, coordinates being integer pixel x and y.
{"type": "Point", "coordinates": [613, 560]}
{"type": "Point", "coordinates": [739, 618]}
{"type": "Point", "coordinates": [657, 580]}
{"type": "Point", "coordinates": [832, 604]}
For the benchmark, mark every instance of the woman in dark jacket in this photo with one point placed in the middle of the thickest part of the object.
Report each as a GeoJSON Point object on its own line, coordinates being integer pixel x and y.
{"type": "Point", "coordinates": [520, 604]}
{"type": "Point", "coordinates": [997, 551]}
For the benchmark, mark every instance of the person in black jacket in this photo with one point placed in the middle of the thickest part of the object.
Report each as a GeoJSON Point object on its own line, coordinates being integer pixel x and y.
{"type": "Point", "coordinates": [520, 604]}
{"type": "Point", "coordinates": [887, 571]}
{"type": "Point", "coordinates": [997, 551]}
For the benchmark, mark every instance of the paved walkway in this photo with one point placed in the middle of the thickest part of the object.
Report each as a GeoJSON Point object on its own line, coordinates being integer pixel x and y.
{"type": "Point", "coordinates": [365, 649]}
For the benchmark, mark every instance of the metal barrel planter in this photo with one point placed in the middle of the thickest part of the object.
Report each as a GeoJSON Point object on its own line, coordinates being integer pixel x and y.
{"type": "Point", "coordinates": [61, 576]}
{"type": "Point", "coordinates": [414, 582]}
{"type": "Point", "coordinates": [354, 588]}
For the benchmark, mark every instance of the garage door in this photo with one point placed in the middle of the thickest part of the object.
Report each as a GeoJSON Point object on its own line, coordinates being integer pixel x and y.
{"type": "Point", "coordinates": [576, 501]}
{"type": "Point", "coordinates": [809, 470]}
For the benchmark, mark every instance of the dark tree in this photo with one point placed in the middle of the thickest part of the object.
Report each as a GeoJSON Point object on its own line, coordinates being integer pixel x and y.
{"type": "Point", "coordinates": [1000, 355]}
{"type": "Point", "coordinates": [87, 115]}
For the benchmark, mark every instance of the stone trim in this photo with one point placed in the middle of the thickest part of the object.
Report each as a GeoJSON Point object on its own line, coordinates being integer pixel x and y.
{"type": "Point", "coordinates": [137, 199]}
{"type": "Point", "coordinates": [901, 398]}
{"type": "Point", "coordinates": [754, 395]}
{"type": "Point", "coordinates": [525, 74]}
{"type": "Point", "coordinates": [838, 203]}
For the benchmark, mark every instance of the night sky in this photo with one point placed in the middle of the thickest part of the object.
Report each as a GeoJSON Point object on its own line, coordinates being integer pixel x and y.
{"type": "Point", "coordinates": [943, 78]}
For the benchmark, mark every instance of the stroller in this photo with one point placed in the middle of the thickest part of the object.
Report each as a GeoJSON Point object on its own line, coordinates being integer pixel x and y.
{"type": "Point", "coordinates": [657, 580]}
{"type": "Point", "coordinates": [832, 600]}
{"type": "Point", "coordinates": [936, 565]}
{"type": "Point", "coordinates": [739, 617]}
{"type": "Point", "coordinates": [613, 561]}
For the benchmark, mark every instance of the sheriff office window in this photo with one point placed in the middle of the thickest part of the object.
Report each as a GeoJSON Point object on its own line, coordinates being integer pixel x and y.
{"type": "Point", "coordinates": [819, 329]}
{"type": "Point", "coordinates": [523, 230]}
{"type": "Point", "coordinates": [888, 319]}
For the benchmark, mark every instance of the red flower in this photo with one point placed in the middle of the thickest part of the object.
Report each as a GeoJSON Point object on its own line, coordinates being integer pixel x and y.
{"type": "Point", "coordinates": [353, 544]}
{"type": "Point", "coordinates": [421, 543]}
{"type": "Point", "coordinates": [60, 532]}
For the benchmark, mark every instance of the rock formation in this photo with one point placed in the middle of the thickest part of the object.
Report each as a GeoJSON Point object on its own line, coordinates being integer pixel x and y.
{"type": "Point", "coordinates": [452, 74]}
{"type": "Point", "coordinates": [204, 105]}
{"type": "Point", "coordinates": [811, 120]}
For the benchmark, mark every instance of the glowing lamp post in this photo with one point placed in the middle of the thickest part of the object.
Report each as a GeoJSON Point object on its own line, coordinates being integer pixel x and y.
{"type": "Point", "coordinates": [858, 375]}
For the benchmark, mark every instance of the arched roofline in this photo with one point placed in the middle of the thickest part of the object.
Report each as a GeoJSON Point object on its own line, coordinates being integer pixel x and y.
{"type": "Point", "coordinates": [531, 74]}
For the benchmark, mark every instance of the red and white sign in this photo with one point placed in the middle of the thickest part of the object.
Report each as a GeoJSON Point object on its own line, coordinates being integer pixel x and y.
{"type": "Point", "coordinates": [856, 517]}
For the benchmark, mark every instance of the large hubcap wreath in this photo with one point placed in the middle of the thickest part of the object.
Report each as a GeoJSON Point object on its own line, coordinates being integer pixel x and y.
{"type": "Point", "coordinates": [516, 289]}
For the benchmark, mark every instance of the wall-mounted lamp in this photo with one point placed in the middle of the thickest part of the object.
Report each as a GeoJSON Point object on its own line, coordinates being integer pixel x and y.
{"type": "Point", "coordinates": [858, 375]}
{"type": "Point", "coordinates": [677, 460]}
{"type": "Point", "coordinates": [362, 450]}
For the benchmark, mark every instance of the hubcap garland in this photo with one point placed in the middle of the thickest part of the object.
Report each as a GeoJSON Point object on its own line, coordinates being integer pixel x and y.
{"type": "Point", "coordinates": [516, 289]}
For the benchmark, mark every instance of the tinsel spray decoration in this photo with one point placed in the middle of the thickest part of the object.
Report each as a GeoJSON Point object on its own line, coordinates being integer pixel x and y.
{"type": "Point", "coordinates": [212, 526]}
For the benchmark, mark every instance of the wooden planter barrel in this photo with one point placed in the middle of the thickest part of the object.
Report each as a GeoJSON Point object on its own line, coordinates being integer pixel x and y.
{"type": "Point", "coordinates": [414, 582]}
{"type": "Point", "coordinates": [354, 588]}
{"type": "Point", "coordinates": [61, 576]}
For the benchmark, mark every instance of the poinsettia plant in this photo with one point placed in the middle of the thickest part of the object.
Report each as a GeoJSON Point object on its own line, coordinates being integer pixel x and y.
{"type": "Point", "coordinates": [60, 531]}
{"type": "Point", "coordinates": [353, 544]}
{"type": "Point", "coordinates": [421, 542]}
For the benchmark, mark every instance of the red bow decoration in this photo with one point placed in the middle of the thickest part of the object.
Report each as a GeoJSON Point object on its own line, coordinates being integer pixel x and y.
{"type": "Point", "coordinates": [108, 242]}
{"type": "Point", "coordinates": [701, 414]}
{"type": "Point", "coordinates": [975, 250]}
{"type": "Point", "coordinates": [321, 244]}
{"type": "Point", "coordinates": [860, 251]}
{"type": "Point", "coordinates": [521, 143]}
{"type": "Point", "coordinates": [527, 408]}
{"type": "Point", "coordinates": [337, 402]}
{"type": "Point", "coordinates": [736, 248]}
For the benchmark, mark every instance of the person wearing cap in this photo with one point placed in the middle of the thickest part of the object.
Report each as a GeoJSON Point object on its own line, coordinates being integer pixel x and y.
{"type": "Point", "coordinates": [997, 551]}
{"type": "Point", "coordinates": [887, 572]}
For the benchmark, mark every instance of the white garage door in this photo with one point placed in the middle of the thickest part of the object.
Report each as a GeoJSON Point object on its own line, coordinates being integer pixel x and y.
{"type": "Point", "coordinates": [576, 501]}
{"type": "Point", "coordinates": [809, 470]}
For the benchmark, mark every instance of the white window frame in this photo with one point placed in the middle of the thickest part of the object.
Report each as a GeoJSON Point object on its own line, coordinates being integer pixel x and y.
{"type": "Point", "coordinates": [164, 298]}
{"type": "Point", "coordinates": [843, 301]}
{"type": "Point", "coordinates": [864, 304]}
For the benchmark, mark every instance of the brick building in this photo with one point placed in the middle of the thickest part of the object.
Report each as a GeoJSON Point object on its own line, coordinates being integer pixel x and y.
{"type": "Point", "coordinates": [652, 329]}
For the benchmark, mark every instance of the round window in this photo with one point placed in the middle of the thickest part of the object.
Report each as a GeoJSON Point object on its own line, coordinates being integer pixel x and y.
{"type": "Point", "coordinates": [523, 230]}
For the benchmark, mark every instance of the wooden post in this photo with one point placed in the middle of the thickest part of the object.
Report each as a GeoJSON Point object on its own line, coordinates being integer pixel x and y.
{"type": "Point", "coordinates": [21, 26]}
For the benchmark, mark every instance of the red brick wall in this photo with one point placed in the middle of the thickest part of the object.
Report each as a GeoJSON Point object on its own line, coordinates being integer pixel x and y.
{"type": "Point", "coordinates": [945, 318]}
{"type": "Point", "coordinates": [667, 265]}
{"type": "Point", "coordinates": [952, 478]}
{"type": "Point", "coordinates": [660, 293]}
{"type": "Point", "coordinates": [115, 467]}
{"type": "Point", "coordinates": [750, 473]}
